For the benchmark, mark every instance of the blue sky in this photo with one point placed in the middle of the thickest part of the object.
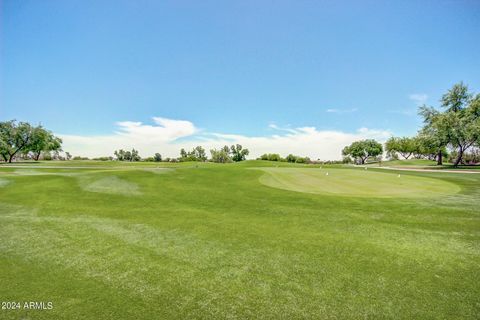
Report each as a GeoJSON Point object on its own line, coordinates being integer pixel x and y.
{"type": "Point", "coordinates": [244, 68]}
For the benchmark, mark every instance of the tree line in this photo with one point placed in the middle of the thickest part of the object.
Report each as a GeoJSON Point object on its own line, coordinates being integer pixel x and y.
{"type": "Point", "coordinates": [22, 140]}
{"type": "Point", "coordinates": [290, 158]}
{"type": "Point", "coordinates": [453, 131]}
{"type": "Point", "coordinates": [225, 154]}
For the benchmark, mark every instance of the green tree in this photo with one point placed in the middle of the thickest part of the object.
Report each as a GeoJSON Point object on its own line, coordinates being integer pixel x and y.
{"type": "Point", "coordinates": [362, 150]}
{"type": "Point", "coordinates": [120, 154]}
{"type": "Point", "coordinates": [459, 126]}
{"type": "Point", "coordinates": [134, 156]}
{"type": "Point", "coordinates": [405, 146]}
{"type": "Point", "coordinates": [220, 156]}
{"type": "Point", "coordinates": [43, 141]}
{"type": "Point", "coordinates": [291, 158]}
{"type": "Point", "coordinates": [238, 153]}
{"type": "Point", "coordinates": [14, 138]}
{"type": "Point", "coordinates": [456, 98]}
{"type": "Point", "coordinates": [157, 157]}
{"type": "Point", "coordinates": [183, 153]}
{"type": "Point", "coordinates": [199, 154]}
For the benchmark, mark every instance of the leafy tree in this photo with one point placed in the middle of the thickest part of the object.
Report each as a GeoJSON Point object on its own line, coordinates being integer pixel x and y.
{"type": "Point", "coordinates": [362, 150]}
{"type": "Point", "coordinates": [302, 160]}
{"type": "Point", "coordinates": [157, 157]}
{"type": "Point", "coordinates": [68, 156]}
{"type": "Point", "coordinates": [430, 137]}
{"type": "Point", "coordinates": [459, 126]}
{"type": "Point", "coordinates": [14, 138]}
{"type": "Point", "coordinates": [429, 146]}
{"type": "Point", "coordinates": [197, 154]}
{"type": "Point", "coordinates": [456, 98]}
{"type": "Point", "coordinates": [291, 158]}
{"type": "Point", "coordinates": [405, 146]}
{"type": "Point", "coordinates": [183, 153]}
{"type": "Point", "coordinates": [220, 156]}
{"type": "Point", "coordinates": [134, 156]}
{"type": "Point", "coordinates": [120, 154]}
{"type": "Point", "coordinates": [238, 153]}
{"type": "Point", "coordinates": [271, 157]}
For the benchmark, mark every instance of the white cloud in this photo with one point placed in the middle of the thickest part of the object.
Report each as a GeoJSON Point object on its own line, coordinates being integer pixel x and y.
{"type": "Point", "coordinates": [418, 98]}
{"type": "Point", "coordinates": [164, 134]}
{"type": "Point", "coordinates": [341, 111]}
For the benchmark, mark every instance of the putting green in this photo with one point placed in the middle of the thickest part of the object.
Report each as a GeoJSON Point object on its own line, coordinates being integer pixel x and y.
{"type": "Point", "coordinates": [352, 182]}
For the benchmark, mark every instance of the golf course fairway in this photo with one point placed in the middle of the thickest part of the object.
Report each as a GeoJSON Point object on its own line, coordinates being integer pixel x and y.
{"type": "Point", "coordinates": [367, 183]}
{"type": "Point", "coordinates": [111, 240]}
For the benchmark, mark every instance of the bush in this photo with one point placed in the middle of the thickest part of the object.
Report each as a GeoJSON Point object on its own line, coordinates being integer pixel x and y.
{"type": "Point", "coordinates": [302, 160]}
{"type": "Point", "coordinates": [291, 158]}
{"type": "Point", "coordinates": [102, 159]}
{"type": "Point", "coordinates": [271, 157]}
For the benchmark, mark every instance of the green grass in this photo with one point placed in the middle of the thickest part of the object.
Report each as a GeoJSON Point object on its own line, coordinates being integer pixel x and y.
{"type": "Point", "coordinates": [410, 162]}
{"type": "Point", "coordinates": [366, 183]}
{"type": "Point", "coordinates": [207, 241]}
{"type": "Point", "coordinates": [423, 163]}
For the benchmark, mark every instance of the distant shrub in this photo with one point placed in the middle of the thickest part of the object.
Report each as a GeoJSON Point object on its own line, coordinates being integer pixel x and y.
{"type": "Point", "coordinates": [271, 157]}
{"type": "Point", "coordinates": [302, 160]}
{"type": "Point", "coordinates": [101, 159]}
{"type": "Point", "coordinates": [291, 158]}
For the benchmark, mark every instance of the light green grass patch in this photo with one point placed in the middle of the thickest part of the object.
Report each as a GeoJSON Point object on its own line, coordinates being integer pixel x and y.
{"type": "Point", "coordinates": [158, 170]}
{"type": "Point", "coordinates": [352, 182]}
{"type": "Point", "coordinates": [4, 182]}
{"type": "Point", "coordinates": [112, 185]}
{"type": "Point", "coordinates": [43, 172]}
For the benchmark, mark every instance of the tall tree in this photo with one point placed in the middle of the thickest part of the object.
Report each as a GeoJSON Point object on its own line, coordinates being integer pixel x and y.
{"type": "Point", "coordinates": [14, 137]}
{"type": "Point", "coordinates": [456, 98]}
{"type": "Point", "coordinates": [457, 127]}
{"type": "Point", "coordinates": [220, 156]}
{"type": "Point", "coordinates": [238, 153]}
{"type": "Point", "coordinates": [43, 140]}
{"type": "Point", "coordinates": [430, 134]}
{"type": "Point", "coordinates": [199, 153]}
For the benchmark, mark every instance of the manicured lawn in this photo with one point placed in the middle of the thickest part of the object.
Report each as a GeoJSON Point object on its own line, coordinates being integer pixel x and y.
{"type": "Point", "coordinates": [422, 163]}
{"type": "Point", "coordinates": [239, 241]}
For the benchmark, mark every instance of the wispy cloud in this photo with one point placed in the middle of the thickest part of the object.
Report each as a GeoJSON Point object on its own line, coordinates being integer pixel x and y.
{"type": "Point", "coordinates": [418, 98]}
{"type": "Point", "coordinates": [341, 111]}
{"type": "Point", "coordinates": [167, 136]}
{"type": "Point", "coordinates": [286, 129]}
